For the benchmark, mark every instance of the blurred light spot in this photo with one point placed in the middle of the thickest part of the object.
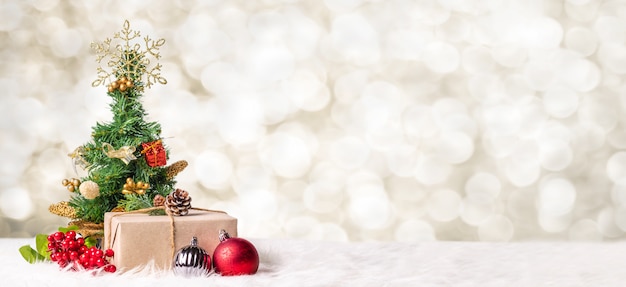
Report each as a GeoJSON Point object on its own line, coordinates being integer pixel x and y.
{"type": "Point", "coordinates": [432, 169]}
{"type": "Point", "coordinates": [580, 74]}
{"type": "Point", "coordinates": [302, 227]}
{"type": "Point", "coordinates": [365, 182]}
{"type": "Point", "coordinates": [522, 172]}
{"type": "Point", "coordinates": [267, 26]}
{"type": "Point", "coordinates": [239, 120]}
{"type": "Point", "coordinates": [617, 138]}
{"type": "Point", "coordinates": [221, 78]}
{"type": "Point", "coordinates": [349, 152]}
{"type": "Point", "coordinates": [578, 2]}
{"type": "Point", "coordinates": [560, 102]}
{"type": "Point", "coordinates": [263, 204]}
{"type": "Point", "coordinates": [455, 147]}
{"type": "Point", "coordinates": [445, 107]}
{"type": "Point", "coordinates": [588, 137]}
{"type": "Point", "coordinates": [582, 12]}
{"type": "Point", "coordinates": [16, 203]}
{"type": "Point", "coordinates": [456, 29]}
{"type": "Point", "coordinates": [401, 160]}
{"type": "Point", "coordinates": [386, 138]}
{"type": "Point", "coordinates": [323, 197]}
{"type": "Point", "coordinates": [275, 108]}
{"type": "Point", "coordinates": [431, 12]}
{"type": "Point", "coordinates": [496, 228]}
{"type": "Point", "coordinates": [370, 211]}
{"type": "Point", "coordinates": [288, 155]}
{"type": "Point", "coordinates": [613, 56]}
{"type": "Point", "coordinates": [348, 86]}
{"type": "Point", "coordinates": [610, 29]}
{"type": "Point", "coordinates": [332, 232]}
{"type": "Point", "coordinates": [444, 205]}
{"type": "Point", "coordinates": [554, 224]}
{"type": "Point", "coordinates": [616, 168]}
{"type": "Point", "coordinates": [581, 40]}
{"type": "Point", "coordinates": [11, 14]}
{"type": "Point", "coordinates": [340, 6]}
{"type": "Point", "coordinates": [418, 122]}
{"type": "Point", "coordinates": [441, 57]}
{"type": "Point", "coordinates": [585, 230]}
{"type": "Point", "coordinates": [477, 60]}
{"type": "Point", "coordinates": [407, 44]}
{"type": "Point", "coordinates": [250, 178]}
{"type": "Point", "coordinates": [355, 39]}
{"type": "Point", "coordinates": [620, 218]}
{"type": "Point", "coordinates": [607, 224]}
{"type": "Point", "coordinates": [600, 111]}
{"type": "Point", "coordinates": [213, 169]}
{"type": "Point", "coordinates": [483, 186]}
{"type": "Point", "coordinates": [475, 210]}
{"type": "Point", "coordinates": [303, 34]}
{"type": "Point", "coordinates": [45, 5]}
{"type": "Point", "coordinates": [327, 171]}
{"type": "Point", "coordinates": [502, 119]}
{"type": "Point", "coordinates": [540, 32]}
{"type": "Point", "coordinates": [555, 155]}
{"type": "Point", "coordinates": [306, 91]}
{"type": "Point", "coordinates": [203, 42]}
{"type": "Point", "coordinates": [66, 43]}
{"type": "Point", "coordinates": [378, 103]}
{"type": "Point", "coordinates": [414, 230]}
{"type": "Point", "coordinates": [539, 75]}
{"type": "Point", "coordinates": [509, 55]}
{"type": "Point", "coordinates": [499, 146]}
{"type": "Point", "coordinates": [556, 196]}
{"type": "Point", "coordinates": [268, 63]}
{"type": "Point", "coordinates": [618, 194]}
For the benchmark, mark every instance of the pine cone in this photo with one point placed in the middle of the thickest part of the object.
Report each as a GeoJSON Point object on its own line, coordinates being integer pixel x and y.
{"type": "Point", "coordinates": [158, 200]}
{"type": "Point", "coordinates": [178, 202]}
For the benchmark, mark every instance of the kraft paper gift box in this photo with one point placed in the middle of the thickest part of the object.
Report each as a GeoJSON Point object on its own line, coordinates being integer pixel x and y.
{"type": "Point", "coordinates": [138, 239]}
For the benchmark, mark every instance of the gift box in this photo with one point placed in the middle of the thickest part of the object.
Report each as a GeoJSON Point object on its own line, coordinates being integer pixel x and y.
{"type": "Point", "coordinates": [139, 239]}
{"type": "Point", "coordinates": [155, 153]}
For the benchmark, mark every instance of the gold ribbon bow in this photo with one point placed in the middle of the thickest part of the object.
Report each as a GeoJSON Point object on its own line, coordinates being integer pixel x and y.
{"type": "Point", "coordinates": [125, 153]}
{"type": "Point", "coordinates": [77, 158]}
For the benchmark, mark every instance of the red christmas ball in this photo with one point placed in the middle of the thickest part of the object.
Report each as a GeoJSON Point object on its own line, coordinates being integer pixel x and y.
{"type": "Point", "coordinates": [235, 256]}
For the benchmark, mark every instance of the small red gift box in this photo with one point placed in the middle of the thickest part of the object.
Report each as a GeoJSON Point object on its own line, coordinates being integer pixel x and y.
{"type": "Point", "coordinates": [154, 153]}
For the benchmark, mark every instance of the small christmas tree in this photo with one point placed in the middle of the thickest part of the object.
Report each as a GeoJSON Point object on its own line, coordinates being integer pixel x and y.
{"type": "Point", "coordinates": [126, 159]}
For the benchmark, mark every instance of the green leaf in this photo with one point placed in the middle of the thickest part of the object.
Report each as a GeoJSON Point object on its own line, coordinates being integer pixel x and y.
{"type": "Point", "coordinates": [66, 229]}
{"type": "Point", "coordinates": [90, 241]}
{"type": "Point", "coordinates": [41, 241]}
{"type": "Point", "coordinates": [30, 254]}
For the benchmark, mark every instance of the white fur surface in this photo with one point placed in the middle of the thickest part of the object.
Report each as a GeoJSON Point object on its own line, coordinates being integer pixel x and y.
{"type": "Point", "coordinates": [315, 263]}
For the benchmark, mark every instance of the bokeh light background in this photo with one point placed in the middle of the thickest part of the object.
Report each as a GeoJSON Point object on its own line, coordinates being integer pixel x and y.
{"type": "Point", "coordinates": [348, 120]}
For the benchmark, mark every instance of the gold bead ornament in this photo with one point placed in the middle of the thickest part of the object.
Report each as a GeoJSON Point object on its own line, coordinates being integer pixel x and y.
{"type": "Point", "coordinates": [131, 187]}
{"type": "Point", "coordinates": [71, 184]}
{"type": "Point", "coordinates": [121, 84]}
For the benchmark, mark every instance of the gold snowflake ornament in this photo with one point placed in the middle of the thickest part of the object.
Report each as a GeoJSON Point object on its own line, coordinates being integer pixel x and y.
{"type": "Point", "coordinates": [128, 60]}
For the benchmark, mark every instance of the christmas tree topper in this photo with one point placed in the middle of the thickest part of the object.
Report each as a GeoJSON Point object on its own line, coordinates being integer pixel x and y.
{"type": "Point", "coordinates": [128, 60]}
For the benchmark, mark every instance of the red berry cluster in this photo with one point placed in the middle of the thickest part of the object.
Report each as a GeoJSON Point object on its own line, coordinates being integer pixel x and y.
{"type": "Point", "coordinates": [66, 249]}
